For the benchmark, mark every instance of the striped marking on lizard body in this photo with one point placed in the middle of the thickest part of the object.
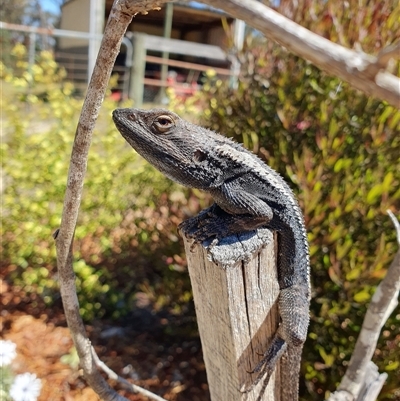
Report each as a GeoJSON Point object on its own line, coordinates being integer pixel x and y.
{"type": "Point", "coordinates": [251, 161]}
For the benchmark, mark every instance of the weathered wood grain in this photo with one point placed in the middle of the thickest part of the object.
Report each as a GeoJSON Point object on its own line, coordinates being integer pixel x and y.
{"type": "Point", "coordinates": [236, 311]}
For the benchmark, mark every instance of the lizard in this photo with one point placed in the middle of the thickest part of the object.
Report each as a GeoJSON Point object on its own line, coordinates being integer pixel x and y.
{"type": "Point", "coordinates": [248, 194]}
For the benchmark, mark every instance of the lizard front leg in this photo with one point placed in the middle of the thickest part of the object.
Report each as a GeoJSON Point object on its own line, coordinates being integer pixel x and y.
{"type": "Point", "coordinates": [234, 211]}
{"type": "Point", "coordinates": [214, 224]}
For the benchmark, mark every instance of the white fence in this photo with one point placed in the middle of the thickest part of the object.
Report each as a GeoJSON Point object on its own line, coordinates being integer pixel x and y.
{"type": "Point", "coordinates": [137, 70]}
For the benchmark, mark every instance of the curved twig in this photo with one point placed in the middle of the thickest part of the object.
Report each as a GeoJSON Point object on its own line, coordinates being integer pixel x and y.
{"type": "Point", "coordinates": [382, 305]}
{"type": "Point", "coordinates": [396, 224]}
{"type": "Point", "coordinates": [130, 386]}
{"type": "Point", "coordinates": [120, 17]}
{"type": "Point", "coordinates": [389, 52]}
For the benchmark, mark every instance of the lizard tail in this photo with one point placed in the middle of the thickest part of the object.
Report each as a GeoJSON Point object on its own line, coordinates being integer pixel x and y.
{"type": "Point", "coordinates": [290, 367]}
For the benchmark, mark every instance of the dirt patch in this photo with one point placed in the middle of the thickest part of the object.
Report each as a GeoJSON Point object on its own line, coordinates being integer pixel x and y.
{"type": "Point", "coordinates": [170, 366]}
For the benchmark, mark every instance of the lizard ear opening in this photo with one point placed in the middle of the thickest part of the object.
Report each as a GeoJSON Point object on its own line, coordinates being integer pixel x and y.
{"type": "Point", "coordinates": [163, 123]}
{"type": "Point", "coordinates": [199, 156]}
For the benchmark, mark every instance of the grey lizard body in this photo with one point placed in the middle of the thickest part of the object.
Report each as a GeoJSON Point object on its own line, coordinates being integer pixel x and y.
{"type": "Point", "coordinates": [248, 195]}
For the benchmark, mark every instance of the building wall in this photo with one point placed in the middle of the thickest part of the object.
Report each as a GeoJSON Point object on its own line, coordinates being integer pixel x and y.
{"type": "Point", "coordinates": [194, 36]}
{"type": "Point", "coordinates": [217, 37]}
{"type": "Point", "coordinates": [75, 17]}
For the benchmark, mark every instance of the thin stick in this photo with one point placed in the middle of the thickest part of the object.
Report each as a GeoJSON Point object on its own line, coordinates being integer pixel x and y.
{"type": "Point", "coordinates": [119, 19]}
{"type": "Point", "coordinates": [382, 305]}
{"type": "Point", "coordinates": [114, 376]}
{"type": "Point", "coordinates": [389, 52]}
{"type": "Point", "coordinates": [395, 223]}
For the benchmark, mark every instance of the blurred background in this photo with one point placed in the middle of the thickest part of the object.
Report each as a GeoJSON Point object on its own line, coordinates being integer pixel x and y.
{"type": "Point", "coordinates": [338, 149]}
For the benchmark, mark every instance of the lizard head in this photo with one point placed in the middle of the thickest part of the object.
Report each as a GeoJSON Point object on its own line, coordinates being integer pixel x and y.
{"type": "Point", "coordinates": [172, 145]}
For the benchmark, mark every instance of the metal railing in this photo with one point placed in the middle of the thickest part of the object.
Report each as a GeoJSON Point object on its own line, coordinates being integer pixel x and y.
{"type": "Point", "coordinates": [135, 77]}
{"type": "Point", "coordinates": [75, 63]}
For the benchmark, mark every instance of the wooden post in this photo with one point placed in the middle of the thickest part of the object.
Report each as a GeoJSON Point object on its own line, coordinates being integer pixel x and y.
{"type": "Point", "coordinates": [236, 312]}
{"type": "Point", "coordinates": [136, 89]}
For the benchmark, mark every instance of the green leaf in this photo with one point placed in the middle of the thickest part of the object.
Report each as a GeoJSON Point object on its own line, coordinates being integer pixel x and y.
{"type": "Point", "coordinates": [362, 296]}
{"type": "Point", "coordinates": [338, 166]}
{"type": "Point", "coordinates": [387, 181]}
{"type": "Point", "coordinates": [333, 127]}
{"type": "Point", "coordinates": [353, 274]}
{"type": "Point", "coordinates": [329, 359]}
{"type": "Point", "coordinates": [374, 193]}
{"type": "Point", "coordinates": [392, 366]}
{"type": "Point", "coordinates": [386, 113]}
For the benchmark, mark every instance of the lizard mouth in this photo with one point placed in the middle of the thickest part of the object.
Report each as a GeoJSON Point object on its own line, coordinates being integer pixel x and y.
{"type": "Point", "coordinates": [120, 117]}
{"type": "Point", "coordinates": [119, 114]}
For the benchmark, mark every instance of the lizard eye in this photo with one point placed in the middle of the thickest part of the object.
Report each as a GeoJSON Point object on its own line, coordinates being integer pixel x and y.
{"type": "Point", "coordinates": [163, 123]}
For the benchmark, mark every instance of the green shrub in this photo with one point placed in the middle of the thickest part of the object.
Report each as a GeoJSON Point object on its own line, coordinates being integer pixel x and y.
{"type": "Point", "coordinates": [339, 150]}
{"type": "Point", "coordinates": [125, 234]}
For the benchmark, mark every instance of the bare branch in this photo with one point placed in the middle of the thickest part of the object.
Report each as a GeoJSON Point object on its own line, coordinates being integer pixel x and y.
{"type": "Point", "coordinates": [120, 17]}
{"type": "Point", "coordinates": [382, 59]}
{"type": "Point", "coordinates": [373, 386]}
{"type": "Point", "coordinates": [357, 68]}
{"type": "Point", "coordinates": [370, 388]}
{"type": "Point", "coordinates": [389, 52]}
{"type": "Point", "coordinates": [382, 305]}
{"type": "Point", "coordinates": [130, 386]}
{"type": "Point", "coordinates": [396, 224]}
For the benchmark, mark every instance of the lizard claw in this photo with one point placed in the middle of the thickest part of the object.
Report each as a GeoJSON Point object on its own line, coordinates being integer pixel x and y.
{"type": "Point", "coordinates": [266, 366]}
{"type": "Point", "coordinates": [203, 227]}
